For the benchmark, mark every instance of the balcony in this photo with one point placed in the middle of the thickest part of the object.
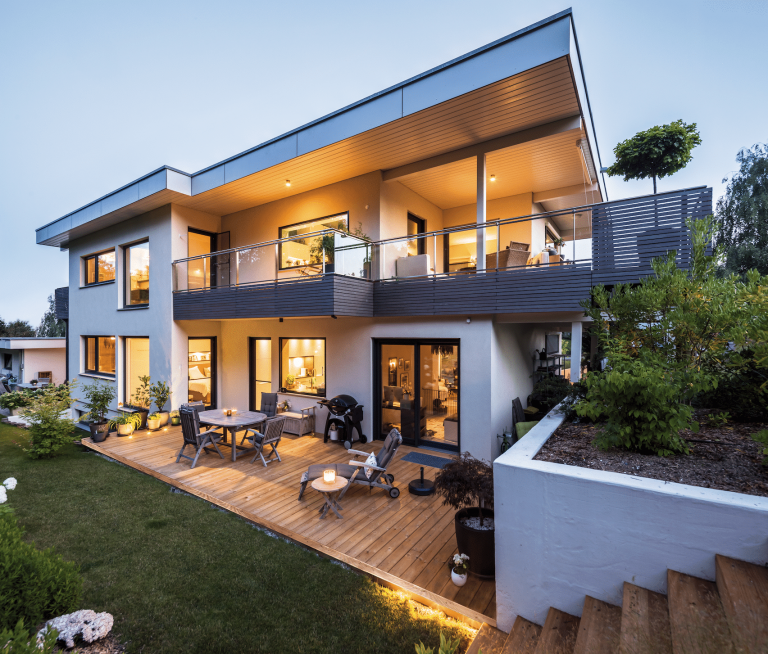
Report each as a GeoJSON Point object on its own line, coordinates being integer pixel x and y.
{"type": "Point", "coordinates": [540, 263]}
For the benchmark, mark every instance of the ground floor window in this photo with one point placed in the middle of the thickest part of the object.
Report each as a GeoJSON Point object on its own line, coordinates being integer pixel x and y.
{"type": "Point", "coordinates": [100, 355]}
{"type": "Point", "coordinates": [302, 365]}
{"type": "Point", "coordinates": [136, 365]}
{"type": "Point", "coordinates": [417, 383]}
{"type": "Point", "coordinates": [260, 367]}
{"type": "Point", "coordinates": [202, 371]}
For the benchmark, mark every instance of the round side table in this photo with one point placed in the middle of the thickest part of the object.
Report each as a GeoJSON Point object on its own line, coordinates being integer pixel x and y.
{"type": "Point", "coordinates": [330, 493]}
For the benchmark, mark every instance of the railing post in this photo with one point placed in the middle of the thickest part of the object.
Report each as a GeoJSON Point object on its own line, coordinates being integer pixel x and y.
{"type": "Point", "coordinates": [574, 236]}
{"type": "Point", "coordinates": [206, 280]}
{"type": "Point", "coordinates": [434, 252]}
{"type": "Point", "coordinates": [498, 244]}
{"type": "Point", "coordinates": [277, 260]}
{"type": "Point", "coordinates": [237, 267]}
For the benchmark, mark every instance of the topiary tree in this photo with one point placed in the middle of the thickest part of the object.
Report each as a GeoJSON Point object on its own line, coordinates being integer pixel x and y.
{"type": "Point", "coordinates": [657, 152]}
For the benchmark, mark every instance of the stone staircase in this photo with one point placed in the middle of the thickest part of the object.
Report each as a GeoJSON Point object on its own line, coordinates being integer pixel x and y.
{"type": "Point", "coordinates": [729, 616]}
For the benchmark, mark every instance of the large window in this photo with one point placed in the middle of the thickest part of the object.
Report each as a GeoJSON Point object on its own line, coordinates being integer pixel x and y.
{"type": "Point", "coordinates": [136, 365]}
{"type": "Point", "coordinates": [302, 252]}
{"type": "Point", "coordinates": [99, 268]}
{"type": "Point", "coordinates": [260, 351]}
{"type": "Point", "coordinates": [100, 355]}
{"type": "Point", "coordinates": [202, 371]}
{"type": "Point", "coordinates": [199, 271]}
{"type": "Point", "coordinates": [137, 274]}
{"type": "Point", "coordinates": [302, 365]}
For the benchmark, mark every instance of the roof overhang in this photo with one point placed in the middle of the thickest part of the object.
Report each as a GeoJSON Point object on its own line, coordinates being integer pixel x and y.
{"type": "Point", "coordinates": [520, 82]}
{"type": "Point", "coordinates": [32, 343]}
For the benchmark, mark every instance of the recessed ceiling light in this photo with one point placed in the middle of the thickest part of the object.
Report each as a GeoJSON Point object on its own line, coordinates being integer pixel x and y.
{"type": "Point", "coordinates": [287, 182]}
{"type": "Point", "coordinates": [493, 178]}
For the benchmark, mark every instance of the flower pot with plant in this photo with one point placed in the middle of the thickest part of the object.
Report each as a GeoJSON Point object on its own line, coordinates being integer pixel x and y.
{"type": "Point", "coordinates": [141, 400]}
{"type": "Point", "coordinates": [161, 393]}
{"type": "Point", "coordinates": [98, 397]}
{"type": "Point", "coordinates": [175, 418]}
{"type": "Point", "coordinates": [125, 423]}
{"type": "Point", "coordinates": [459, 569]}
{"type": "Point", "coordinates": [466, 484]}
{"type": "Point", "coordinates": [290, 381]}
{"type": "Point", "coordinates": [323, 249]}
{"type": "Point", "coordinates": [153, 421]}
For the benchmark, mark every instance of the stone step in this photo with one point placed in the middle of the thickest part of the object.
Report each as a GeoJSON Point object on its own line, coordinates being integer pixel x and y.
{"type": "Point", "coordinates": [743, 589]}
{"type": "Point", "coordinates": [523, 638]}
{"type": "Point", "coordinates": [558, 636]}
{"type": "Point", "coordinates": [644, 622]}
{"type": "Point", "coordinates": [599, 628]}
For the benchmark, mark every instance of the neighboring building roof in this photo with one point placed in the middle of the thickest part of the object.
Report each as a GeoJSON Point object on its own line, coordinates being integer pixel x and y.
{"type": "Point", "coordinates": [549, 40]}
{"type": "Point", "coordinates": [32, 342]}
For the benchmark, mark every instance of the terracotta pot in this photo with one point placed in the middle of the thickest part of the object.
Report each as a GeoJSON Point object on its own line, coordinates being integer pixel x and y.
{"type": "Point", "coordinates": [478, 544]}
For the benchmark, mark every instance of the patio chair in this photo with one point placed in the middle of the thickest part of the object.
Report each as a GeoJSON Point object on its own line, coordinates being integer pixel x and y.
{"type": "Point", "coordinates": [356, 471]}
{"type": "Point", "coordinates": [268, 408]}
{"type": "Point", "coordinates": [272, 433]}
{"type": "Point", "coordinates": [190, 430]}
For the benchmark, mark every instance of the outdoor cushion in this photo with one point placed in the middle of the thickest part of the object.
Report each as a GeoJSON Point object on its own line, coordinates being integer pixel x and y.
{"type": "Point", "coordinates": [316, 471]}
{"type": "Point", "coordinates": [522, 428]}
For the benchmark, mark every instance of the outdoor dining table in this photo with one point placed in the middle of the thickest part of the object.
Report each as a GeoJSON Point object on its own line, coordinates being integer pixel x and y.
{"type": "Point", "coordinates": [231, 424]}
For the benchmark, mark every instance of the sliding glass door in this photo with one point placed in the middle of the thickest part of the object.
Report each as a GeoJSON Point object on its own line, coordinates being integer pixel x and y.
{"type": "Point", "coordinates": [260, 369]}
{"type": "Point", "coordinates": [417, 385]}
{"type": "Point", "coordinates": [202, 371]}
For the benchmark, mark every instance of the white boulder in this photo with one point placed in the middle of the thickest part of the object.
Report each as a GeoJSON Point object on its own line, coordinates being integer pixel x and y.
{"type": "Point", "coordinates": [87, 624]}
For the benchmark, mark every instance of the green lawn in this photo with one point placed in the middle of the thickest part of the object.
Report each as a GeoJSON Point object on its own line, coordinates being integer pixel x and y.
{"type": "Point", "coordinates": [182, 576]}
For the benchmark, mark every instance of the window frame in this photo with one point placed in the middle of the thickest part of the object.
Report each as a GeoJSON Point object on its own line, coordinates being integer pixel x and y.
{"type": "Point", "coordinates": [214, 369]}
{"type": "Point", "coordinates": [127, 276]}
{"type": "Point", "coordinates": [252, 381]}
{"type": "Point", "coordinates": [125, 339]}
{"type": "Point", "coordinates": [100, 373]}
{"type": "Point", "coordinates": [325, 363]}
{"type": "Point", "coordinates": [302, 222]}
{"type": "Point", "coordinates": [95, 258]}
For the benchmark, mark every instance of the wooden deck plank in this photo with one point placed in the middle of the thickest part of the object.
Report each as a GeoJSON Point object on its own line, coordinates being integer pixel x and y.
{"type": "Point", "coordinates": [403, 543]}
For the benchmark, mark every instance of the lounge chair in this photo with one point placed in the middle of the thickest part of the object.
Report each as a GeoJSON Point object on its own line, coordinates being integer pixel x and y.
{"type": "Point", "coordinates": [272, 433]}
{"type": "Point", "coordinates": [190, 430]}
{"type": "Point", "coordinates": [355, 471]}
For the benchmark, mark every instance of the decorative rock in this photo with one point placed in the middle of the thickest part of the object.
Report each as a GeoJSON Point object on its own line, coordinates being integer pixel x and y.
{"type": "Point", "coordinates": [87, 624]}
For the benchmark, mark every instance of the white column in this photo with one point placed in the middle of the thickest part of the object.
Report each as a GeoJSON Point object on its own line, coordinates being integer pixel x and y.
{"type": "Point", "coordinates": [481, 201]}
{"type": "Point", "coordinates": [575, 351]}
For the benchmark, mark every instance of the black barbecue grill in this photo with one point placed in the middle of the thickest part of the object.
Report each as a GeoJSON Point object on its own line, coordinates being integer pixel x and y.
{"type": "Point", "coordinates": [346, 414]}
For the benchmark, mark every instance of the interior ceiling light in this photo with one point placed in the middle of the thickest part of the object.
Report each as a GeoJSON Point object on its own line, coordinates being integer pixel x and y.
{"type": "Point", "coordinates": [493, 178]}
{"type": "Point", "coordinates": [287, 182]}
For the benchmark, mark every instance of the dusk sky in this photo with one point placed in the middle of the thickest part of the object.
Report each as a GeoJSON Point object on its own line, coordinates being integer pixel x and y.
{"type": "Point", "coordinates": [95, 95]}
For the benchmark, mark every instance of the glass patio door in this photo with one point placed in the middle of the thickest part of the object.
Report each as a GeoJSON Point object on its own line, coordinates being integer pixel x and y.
{"type": "Point", "coordinates": [260, 351]}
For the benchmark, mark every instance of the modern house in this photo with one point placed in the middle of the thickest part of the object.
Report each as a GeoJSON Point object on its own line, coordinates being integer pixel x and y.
{"type": "Point", "coordinates": [414, 250]}
{"type": "Point", "coordinates": [32, 357]}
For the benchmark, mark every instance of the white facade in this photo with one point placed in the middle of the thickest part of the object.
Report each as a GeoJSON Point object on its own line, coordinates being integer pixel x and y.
{"type": "Point", "coordinates": [32, 355]}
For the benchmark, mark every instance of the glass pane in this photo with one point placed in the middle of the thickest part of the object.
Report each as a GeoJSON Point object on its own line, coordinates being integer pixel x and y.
{"type": "Point", "coordinates": [261, 369]}
{"type": "Point", "coordinates": [200, 370]}
{"type": "Point", "coordinates": [137, 259]}
{"type": "Point", "coordinates": [199, 269]}
{"type": "Point", "coordinates": [90, 354]}
{"type": "Point", "coordinates": [136, 364]}
{"type": "Point", "coordinates": [300, 252]}
{"type": "Point", "coordinates": [439, 393]}
{"type": "Point", "coordinates": [107, 354]}
{"type": "Point", "coordinates": [106, 266]}
{"type": "Point", "coordinates": [462, 250]}
{"type": "Point", "coordinates": [397, 375]}
{"type": "Point", "coordinates": [303, 365]}
{"type": "Point", "coordinates": [90, 270]}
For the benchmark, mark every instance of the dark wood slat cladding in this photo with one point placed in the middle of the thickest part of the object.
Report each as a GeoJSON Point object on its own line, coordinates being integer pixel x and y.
{"type": "Point", "coordinates": [314, 296]}
{"type": "Point", "coordinates": [61, 303]}
{"type": "Point", "coordinates": [628, 234]}
{"type": "Point", "coordinates": [556, 288]}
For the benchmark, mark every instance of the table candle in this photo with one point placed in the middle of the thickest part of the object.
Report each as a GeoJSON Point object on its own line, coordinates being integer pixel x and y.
{"type": "Point", "coordinates": [329, 476]}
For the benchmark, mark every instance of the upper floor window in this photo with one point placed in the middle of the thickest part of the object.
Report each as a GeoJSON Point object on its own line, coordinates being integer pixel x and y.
{"type": "Point", "coordinates": [100, 355]}
{"type": "Point", "coordinates": [99, 268]}
{"type": "Point", "coordinates": [137, 274]}
{"type": "Point", "coordinates": [300, 251]}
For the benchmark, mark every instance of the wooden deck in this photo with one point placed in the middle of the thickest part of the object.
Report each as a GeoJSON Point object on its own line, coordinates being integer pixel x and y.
{"type": "Point", "coordinates": [404, 543]}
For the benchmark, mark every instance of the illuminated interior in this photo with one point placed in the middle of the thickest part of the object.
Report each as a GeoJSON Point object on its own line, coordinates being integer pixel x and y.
{"type": "Point", "coordinates": [199, 271]}
{"type": "Point", "coordinates": [136, 365]}
{"type": "Point", "coordinates": [201, 370]}
{"type": "Point", "coordinates": [302, 365]}
{"type": "Point", "coordinates": [307, 251]}
{"type": "Point", "coordinates": [100, 354]}
{"type": "Point", "coordinates": [100, 268]}
{"type": "Point", "coordinates": [137, 265]}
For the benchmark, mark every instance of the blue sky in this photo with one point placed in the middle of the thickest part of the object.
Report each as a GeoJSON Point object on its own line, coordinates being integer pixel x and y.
{"type": "Point", "coordinates": [97, 94]}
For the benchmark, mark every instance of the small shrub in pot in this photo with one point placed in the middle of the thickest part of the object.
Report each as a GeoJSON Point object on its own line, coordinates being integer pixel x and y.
{"type": "Point", "coordinates": [160, 393]}
{"type": "Point", "coordinates": [98, 397]}
{"type": "Point", "coordinates": [466, 484]}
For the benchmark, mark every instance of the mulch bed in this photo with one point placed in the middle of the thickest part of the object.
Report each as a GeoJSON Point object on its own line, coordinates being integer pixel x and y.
{"type": "Point", "coordinates": [730, 461]}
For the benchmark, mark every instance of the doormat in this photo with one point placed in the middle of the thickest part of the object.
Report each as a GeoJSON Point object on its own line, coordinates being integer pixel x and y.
{"type": "Point", "coordinates": [426, 459]}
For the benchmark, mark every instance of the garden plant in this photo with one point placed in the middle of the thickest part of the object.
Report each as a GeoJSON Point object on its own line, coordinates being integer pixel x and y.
{"type": "Point", "coordinates": [48, 416]}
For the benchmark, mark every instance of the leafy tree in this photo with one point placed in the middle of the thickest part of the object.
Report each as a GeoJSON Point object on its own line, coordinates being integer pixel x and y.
{"type": "Point", "coordinates": [742, 214]}
{"type": "Point", "coordinates": [49, 325]}
{"type": "Point", "coordinates": [16, 329]}
{"type": "Point", "coordinates": [658, 152]}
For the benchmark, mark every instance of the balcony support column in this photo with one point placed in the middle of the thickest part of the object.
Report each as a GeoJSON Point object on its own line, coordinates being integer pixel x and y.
{"type": "Point", "coordinates": [481, 206]}
{"type": "Point", "coordinates": [575, 352]}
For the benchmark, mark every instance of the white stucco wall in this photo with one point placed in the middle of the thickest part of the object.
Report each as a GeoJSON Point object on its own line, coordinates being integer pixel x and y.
{"type": "Point", "coordinates": [563, 532]}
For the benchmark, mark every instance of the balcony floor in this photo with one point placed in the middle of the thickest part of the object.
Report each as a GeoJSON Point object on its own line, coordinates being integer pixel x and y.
{"type": "Point", "coordinates": [404, 543]}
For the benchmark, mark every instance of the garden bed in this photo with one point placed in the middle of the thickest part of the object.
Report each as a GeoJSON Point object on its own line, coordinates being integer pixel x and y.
{"type": "Point", "coordinates": [730, 460]}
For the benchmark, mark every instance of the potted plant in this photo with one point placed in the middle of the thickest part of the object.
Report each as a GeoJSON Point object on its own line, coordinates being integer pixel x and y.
{"type": "Point", "coordinates": [175, 418]}
{"type": "Point", "coordinates": [98, 397]}
{"type": "Point", "coordinates": [125, 423]}
{"type": "Point", "coordinates": [153, 421]}
{"type": "Point", "coordinates": [459, 569]}
{"type": "Point", "coordinates": [323, 248]}
{"type": "Point", "coordinates": [141, 400]}
{"type": "Point", "coordinates": [161, 393]}
{"type": "Point", "coordinates": [290, 380]}
{"type": "Point", "coordinates": [466, 484]}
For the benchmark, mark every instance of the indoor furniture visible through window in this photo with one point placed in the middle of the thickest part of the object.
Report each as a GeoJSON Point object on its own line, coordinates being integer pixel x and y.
{"type": "Point", "coordinates": [99, 268]}
{"type": "Point", "coordinates": [100, 355]}
{"type": "Point", "coordinates": [137, 274]}
{"type": "Point", "coordinates": [136, 365]}
{"type": "Point", "coordinates": [202, 371]}
{"type": "Point", "coordinates": [302, 365]}
{"type": "Point", "coordinates": [416, 226]}
{"type": "Point", "coordinates": [301, 252]}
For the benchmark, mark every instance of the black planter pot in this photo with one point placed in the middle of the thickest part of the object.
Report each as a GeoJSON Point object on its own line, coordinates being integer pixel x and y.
{"type": "Point", "coordinates": [478, 545]}
{"type": "Point", "coordinates": [99, 431]}
{"type": "Point", "coordinates": [142, 412]}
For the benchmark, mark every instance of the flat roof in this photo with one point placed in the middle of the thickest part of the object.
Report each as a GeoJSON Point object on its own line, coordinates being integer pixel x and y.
{"type": "Point", "coordinates": [544, 41]}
